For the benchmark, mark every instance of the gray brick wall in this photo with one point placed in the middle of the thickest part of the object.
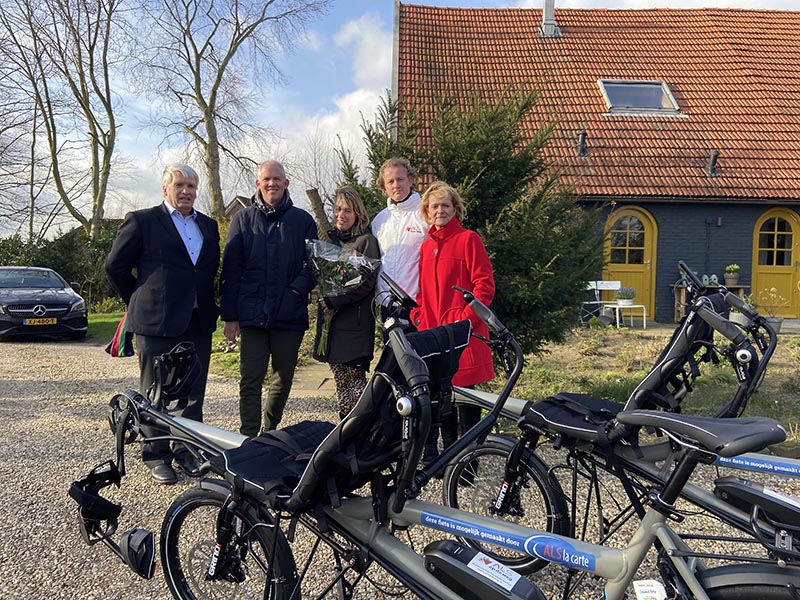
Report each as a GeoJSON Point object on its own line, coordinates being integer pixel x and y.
{"type": "Point", "coordinates": [707, 236]}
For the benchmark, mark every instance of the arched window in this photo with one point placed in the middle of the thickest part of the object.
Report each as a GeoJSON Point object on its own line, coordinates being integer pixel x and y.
{"type": "Point", "coordinates": [775, 243]}
{"type": "Point", "coordinates": [627, 238]}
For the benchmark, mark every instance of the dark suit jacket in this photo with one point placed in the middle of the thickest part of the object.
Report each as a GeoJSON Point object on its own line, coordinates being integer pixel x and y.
{"type": "Point", "coordinates": [160, 294]}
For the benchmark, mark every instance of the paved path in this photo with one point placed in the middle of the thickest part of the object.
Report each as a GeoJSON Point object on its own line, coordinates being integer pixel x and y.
{"type": "Point", "coordinates": [313, 380]}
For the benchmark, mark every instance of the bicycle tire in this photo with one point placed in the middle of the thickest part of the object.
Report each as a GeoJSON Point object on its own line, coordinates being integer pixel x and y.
{"type": "Point", "coordinates": [188, 535]}
{"type": "Point", "coordinates": [472, 482]}
{"type": "Point", "coordinates": [749, 581]}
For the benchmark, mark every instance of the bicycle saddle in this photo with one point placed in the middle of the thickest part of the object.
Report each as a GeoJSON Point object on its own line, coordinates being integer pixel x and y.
{"type": "Point", "coordinates": [724, 437]}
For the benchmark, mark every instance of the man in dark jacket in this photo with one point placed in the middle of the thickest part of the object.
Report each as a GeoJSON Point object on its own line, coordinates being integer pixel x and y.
{"type": "Point", "coordinates": [174, 251]}
{"type": "Point", "coordinates": [264, 291]}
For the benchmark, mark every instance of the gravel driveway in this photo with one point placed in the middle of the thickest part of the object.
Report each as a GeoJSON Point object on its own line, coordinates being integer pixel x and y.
{"type": "Point", "coordinates": [53, 398]}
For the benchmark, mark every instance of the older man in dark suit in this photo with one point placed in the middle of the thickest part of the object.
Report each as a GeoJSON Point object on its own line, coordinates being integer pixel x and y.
{"type": "Point", "coordinates": [163, 263]}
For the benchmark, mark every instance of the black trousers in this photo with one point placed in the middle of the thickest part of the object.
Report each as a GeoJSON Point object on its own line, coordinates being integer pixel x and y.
{"type": "Point", "coordinates": [148, 347]}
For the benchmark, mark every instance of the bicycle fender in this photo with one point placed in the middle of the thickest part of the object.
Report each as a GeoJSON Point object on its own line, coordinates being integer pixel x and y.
{"type": "Point", "coordinates": [215, 485]}
{"type": "Point", "coordinates": [751, 576]}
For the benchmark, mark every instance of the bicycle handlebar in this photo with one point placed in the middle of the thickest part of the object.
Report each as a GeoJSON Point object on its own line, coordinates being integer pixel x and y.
{"type": "Point", "coordinates": [743, 307]}
{"type": "Point", "coordinates": [415, 372]}
{"type": "Point", "coordinates": [721, 324]}
{"type": "Point", "coordinates": [486, 315]}
{"type": "Point", "coordinates": [693, 278]}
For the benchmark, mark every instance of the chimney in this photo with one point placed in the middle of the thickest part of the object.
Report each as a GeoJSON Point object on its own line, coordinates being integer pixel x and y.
{"type": "Point", "coordinates": [582, 149]}
{"type": "Point", "coordinates": [549, 27]}
{"type": "Point", "coordinates": [711, 165]}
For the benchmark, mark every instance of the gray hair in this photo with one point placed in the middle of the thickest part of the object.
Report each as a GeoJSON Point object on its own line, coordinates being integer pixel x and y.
{"type": "Point", "coordinates": [272, 162]}
{"type": "Point", "coordinates": [171, 170]}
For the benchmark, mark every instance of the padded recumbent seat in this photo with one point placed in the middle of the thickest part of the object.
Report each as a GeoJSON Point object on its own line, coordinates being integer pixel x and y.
{"type": "Point", "coordinates": [317, 462]}
{"type": "Point", "coordinates": [591, 419]}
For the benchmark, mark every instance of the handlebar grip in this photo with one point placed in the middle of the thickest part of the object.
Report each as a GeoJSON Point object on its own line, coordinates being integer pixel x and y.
{"type": "Point", "coordinates": [721, 324]}
{"type": "Point", "coordinates": [691, 275]}
{"type": "Point", "coordinates": [484, 313]}
{"type": "Point", "coordinates": [743, 307]}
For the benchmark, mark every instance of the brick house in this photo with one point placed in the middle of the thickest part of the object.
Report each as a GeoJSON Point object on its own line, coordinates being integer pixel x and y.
{"type": "Point", "coordinates": [685, 124]}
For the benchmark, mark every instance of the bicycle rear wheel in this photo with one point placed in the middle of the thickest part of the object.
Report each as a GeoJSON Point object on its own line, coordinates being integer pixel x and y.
{"type": "Point", "coordinates": [188, 536]}
{"type": "Point", "coordinates": [473, 482]}
{"type": "Point", "coordinates": [750, 581]}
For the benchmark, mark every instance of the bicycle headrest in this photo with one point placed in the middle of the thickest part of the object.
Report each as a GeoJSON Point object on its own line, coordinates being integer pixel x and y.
{"type": "Point", "coordinates": [175, 373]}
{"type": "Point", "coordinates": [442, 340]}
{"type": "Point", "coordinates": [369, 437]}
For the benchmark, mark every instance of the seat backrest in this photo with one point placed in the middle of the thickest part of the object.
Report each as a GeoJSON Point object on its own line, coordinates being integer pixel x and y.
{"type": "Point", "coordinates": [368, 439]}
{"type": "Point", "coordinates": [664, 386]}
{"type": "Point", "coordinates": [600, 286]}
{"type": "Point", "coordinates": [604, 285]}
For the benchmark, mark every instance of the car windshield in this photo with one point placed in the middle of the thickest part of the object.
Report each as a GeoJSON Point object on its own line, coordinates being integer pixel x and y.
{"type": "Point", "coordinates": [11, 278]}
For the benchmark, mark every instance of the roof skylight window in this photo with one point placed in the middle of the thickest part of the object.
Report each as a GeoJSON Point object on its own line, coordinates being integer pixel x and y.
{"type": "Point", "coordinates": [638, 97]}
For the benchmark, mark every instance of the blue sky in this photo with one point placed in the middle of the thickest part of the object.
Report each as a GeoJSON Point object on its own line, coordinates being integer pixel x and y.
{"type": "Point", "coordinates": [339, 71]}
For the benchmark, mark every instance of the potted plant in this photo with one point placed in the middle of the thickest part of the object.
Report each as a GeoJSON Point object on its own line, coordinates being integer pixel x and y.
{"type": "Point", "coordinates": [731, 274]}
{"type": "Point", "coordinates": [624, 296]}
{"type": "Point", "coordinates": [772, 302]}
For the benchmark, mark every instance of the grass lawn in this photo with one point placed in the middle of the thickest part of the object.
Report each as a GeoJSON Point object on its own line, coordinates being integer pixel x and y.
{"type": "Point", "coordinates": [604, 362]}
{"type": "Point", "coordinates": [102, 326]}
{"type": "Point", "coordinates": [224, 356]}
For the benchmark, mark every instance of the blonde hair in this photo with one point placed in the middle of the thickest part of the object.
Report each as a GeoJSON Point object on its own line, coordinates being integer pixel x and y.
{"type": "Point", "coordinates": [397, 161]}
{"type": "Point", "coordinates": [440, 189]}
{"type": "Point", "coordinates": [351, 198]}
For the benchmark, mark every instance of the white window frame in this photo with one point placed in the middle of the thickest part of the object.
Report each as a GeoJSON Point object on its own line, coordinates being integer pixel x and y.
{"type": "Point", "coordinates": [615, 110]}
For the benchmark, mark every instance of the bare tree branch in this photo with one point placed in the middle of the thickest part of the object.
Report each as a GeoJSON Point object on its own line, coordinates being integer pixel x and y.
{"type": "Point", "coordinates": [61, 53]}
{"type": "Point", "coordinates": [206, 63]}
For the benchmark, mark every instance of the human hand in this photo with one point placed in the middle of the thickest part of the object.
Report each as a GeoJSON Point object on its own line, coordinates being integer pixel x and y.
{"type": "Point", "coordinates": [231, 331]}
{"type": "Point", "coordinates": [324, 306]}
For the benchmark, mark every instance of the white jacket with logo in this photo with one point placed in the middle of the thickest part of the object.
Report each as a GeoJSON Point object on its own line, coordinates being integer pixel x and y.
{"type": "Point", "coordinates": [400, 230]}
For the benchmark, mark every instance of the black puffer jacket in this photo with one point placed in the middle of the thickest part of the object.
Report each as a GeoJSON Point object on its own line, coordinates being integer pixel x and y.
{"type": "Point", "coordinates": [352, 331]}
{"type": "Point", "coordinates": [266, 278]}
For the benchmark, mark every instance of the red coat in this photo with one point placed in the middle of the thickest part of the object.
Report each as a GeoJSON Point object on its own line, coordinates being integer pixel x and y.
{"type": "Point", "coordinates": [452, 256]}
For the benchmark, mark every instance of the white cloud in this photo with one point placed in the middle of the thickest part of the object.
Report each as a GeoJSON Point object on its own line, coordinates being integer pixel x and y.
{"type": "Point", "coordinates": [310, 40]}
{"type": "Point", "coordinates": [365, 47]}
{"type": "Point", "coordinates": [372, 58]}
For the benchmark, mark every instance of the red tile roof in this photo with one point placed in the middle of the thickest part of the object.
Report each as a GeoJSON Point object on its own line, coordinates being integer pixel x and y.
{"type": "Point", "coordinates": [734, 73]}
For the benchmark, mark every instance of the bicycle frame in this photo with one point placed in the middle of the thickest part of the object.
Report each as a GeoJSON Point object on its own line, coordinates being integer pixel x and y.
{"type": "Point", "coordinates": [618, 567]}
{"type": "Point", "coordinates": [370, 530]}
{"type": "Point", "coordinates": [643, 462]}
{"type": "Point", "coordinates": [355, 520]}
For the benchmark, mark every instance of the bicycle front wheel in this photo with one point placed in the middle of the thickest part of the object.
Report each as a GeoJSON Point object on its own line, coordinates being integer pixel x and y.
{"type": "Point", "coordinates": [473, 481]}
{"type": "Point", "coordinates": [188, 536]}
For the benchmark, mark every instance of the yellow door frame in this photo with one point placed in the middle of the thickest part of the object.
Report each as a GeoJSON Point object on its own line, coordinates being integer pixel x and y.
{"type": "Point", "coordinates": [784, 278]}
{"type": "Point", "coordinates": [627, 273]}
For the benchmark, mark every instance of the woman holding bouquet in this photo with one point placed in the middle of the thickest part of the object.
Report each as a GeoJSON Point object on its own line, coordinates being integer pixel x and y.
{"type": "Point", "coordinates": [452, 256]}
{"type": "Point", "coordinates": [348, 346]}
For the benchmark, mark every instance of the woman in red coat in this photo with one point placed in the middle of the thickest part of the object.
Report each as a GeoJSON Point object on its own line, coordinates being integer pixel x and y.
{"type": "Point", "coordinates": [452, 256]}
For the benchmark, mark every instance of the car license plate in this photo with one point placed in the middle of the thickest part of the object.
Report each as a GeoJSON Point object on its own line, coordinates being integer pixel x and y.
{"type": "Point", "coordinates": [50, 321]}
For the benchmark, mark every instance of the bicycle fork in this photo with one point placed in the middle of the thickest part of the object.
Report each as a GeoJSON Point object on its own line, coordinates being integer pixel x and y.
{"type": "Point", "coordinates": [512, 479]}
{"type": "Point", "coordinates": [221, 555]}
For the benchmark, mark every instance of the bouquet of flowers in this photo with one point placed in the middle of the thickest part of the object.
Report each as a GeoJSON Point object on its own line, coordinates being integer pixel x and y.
{"type": "Point", "coordinates": [337, 271]}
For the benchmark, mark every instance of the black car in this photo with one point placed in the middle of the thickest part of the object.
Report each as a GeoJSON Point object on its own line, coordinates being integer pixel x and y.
{"type": "Point", "coordinates": [34, 300]}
